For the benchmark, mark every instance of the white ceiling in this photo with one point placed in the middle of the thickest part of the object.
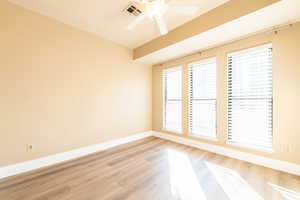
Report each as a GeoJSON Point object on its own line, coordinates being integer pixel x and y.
{"type": "Point", "coordinates": [106, 19]}
{"type": "Point", "coordinates": [283, 12]}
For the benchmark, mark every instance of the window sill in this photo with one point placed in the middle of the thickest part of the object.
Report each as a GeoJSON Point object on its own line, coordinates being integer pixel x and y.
{"type": "Point", "coordinates": [172, 131]}
{"type": "Point", "coordinates": [203, 137]}
{"type": "Point", "coordinates": [264, 150]}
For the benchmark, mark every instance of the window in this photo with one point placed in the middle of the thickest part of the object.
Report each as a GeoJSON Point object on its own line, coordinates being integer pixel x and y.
{"type": "Point", "coordinates": [172, 84]}
{"type": "Point", "coordinates": [250, 98]}
{"type": "Point", "coordinates": [202, 112]}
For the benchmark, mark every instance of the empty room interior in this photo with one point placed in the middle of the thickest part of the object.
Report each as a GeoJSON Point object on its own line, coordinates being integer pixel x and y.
{"type": "Point", "coordinates": [150, 100]}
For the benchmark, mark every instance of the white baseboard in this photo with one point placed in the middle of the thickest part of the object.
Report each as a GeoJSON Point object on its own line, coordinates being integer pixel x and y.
{"type": "Point", "coordinates": [19, 168]}
{"type": "Point", "coordinates": [255, 159]}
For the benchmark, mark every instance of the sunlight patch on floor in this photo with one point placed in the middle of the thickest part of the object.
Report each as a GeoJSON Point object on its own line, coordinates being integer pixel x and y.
{"type": "Point", "coordinates": [235, 187]}
{"type": "Point", "coordinates": [183, 180]}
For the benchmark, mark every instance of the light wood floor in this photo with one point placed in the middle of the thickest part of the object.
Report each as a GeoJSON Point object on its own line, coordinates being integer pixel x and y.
{"type": "Point", "coordinates": [152, 169]}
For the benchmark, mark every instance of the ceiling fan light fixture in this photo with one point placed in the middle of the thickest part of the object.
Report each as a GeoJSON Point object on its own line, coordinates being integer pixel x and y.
{"type": "Point", "coordinates": [156, 8]}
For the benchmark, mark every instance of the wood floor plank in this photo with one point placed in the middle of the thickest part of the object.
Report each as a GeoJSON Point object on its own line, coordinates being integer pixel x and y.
{"type": "Point", "coordinates": [152, 169]}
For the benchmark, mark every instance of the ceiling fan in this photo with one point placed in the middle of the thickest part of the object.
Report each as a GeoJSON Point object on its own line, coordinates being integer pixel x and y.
{"type": "Point", "coordinates": [155, 10]}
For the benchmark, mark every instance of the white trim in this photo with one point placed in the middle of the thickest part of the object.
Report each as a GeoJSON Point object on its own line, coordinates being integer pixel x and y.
{"type": "Point", "coordinates": [255, 159]}
{"type": "Point", "coordinates": [172, 69]}
{"type": "Point", "coordinates": [265, 150]}
{"type": "Point", "coordinates": [204, 137]}
{"type": "Point", "coordinates": [205, 61]}
{"type": "Point", "coordinates": [247, 50]}
{"type": "Point", "coordinates": [19, 168]}
{"type": "Point", "coordinates": [164, 74]}
{"type": "Point", "coordinates": [172, 131]}
{"type": "Point", "coordinates": [61, 157]}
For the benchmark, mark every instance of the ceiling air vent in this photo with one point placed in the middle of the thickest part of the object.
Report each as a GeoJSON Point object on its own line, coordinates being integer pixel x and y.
{"type": "Point", "coordinates": [132, 9]}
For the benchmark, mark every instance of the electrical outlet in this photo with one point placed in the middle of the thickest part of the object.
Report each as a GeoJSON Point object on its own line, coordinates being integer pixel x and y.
{"type": "Point", "coordinates": [29, 147]}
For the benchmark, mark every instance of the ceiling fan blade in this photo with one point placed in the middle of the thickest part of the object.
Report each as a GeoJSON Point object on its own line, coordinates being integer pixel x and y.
{"type": "Point", "coordinates": [136, 21]}
{"type": "Point", "coordinates": [185, 10]}
{"type": "Point", "coordinates": [161, 24]}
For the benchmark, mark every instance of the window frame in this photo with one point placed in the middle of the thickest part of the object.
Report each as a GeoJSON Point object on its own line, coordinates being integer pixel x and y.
{"type": "Point", "coordinates": [166, 70]}
{"type": "Point", "coordinates": [236, 144]}
{"type": "Point", "coordinates": [190, 133]}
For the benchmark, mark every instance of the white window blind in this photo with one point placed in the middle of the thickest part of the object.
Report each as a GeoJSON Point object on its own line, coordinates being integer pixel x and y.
{"type": "Point", "coordinates": [250, 98]}
{"type": "Point", "coordinates": [202, 110]}
{"type": "Point", "coordinates": [172, 92]}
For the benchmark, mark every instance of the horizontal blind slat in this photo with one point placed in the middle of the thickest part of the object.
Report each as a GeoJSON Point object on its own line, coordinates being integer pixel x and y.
{"type": "Point", "coordinates": [202, 101]}
{"type": "Point", "coordinates": [172, 93]}
{"type": "Point", "coordinates": [250, 97]}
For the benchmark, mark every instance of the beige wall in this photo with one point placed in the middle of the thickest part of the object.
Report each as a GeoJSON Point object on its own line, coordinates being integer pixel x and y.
{"type": "Point", "coordinates": [286, 86]}
{"type": "Point", "coordinates": [62, 88]}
